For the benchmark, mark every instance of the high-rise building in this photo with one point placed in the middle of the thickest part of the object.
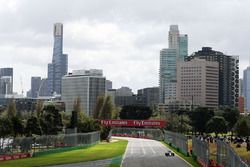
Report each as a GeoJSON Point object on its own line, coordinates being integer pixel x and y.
{"type": "Point", "coordinates": [108, 85]}
{"type": "Point", "coordinates": [177, 51]}
{"type": "Point", "coordinates": [173, 37]}
{"type": "Point", "coordinates": [84, 84]}
{"type": "Point", "coordinates": [6, 81]}
{"type": "Point", "coordinates": [44, 88]}
{"type": "Point", "coordinates": [59, 66]}
{"type": "Point", "coordinates": [198, 81]}
{"type": "Point", "coordinates": [35, 85]}
{"type": "Point", "coordinates": [148, 96]}
{"type": "Point", "coordinates": [228, 74]}
{"type": "Point", "coordinates": [183, 47]}
{"type": "Point", "coordinates": [167, 75]}
{"type": "Point", "coordinates": [246, 88]}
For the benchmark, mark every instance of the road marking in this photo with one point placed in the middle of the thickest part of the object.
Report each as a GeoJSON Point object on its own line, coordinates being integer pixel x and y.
{"type": "Point", "coordinates": [131, 148]}
{"type": "Point", "coordinates": [142, 149]}
{"type": "Point", "coordinates": [151, 147]}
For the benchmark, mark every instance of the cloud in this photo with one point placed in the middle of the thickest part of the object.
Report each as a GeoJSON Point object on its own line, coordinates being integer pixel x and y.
{"type": "Point", "coordinates": [121, 37]}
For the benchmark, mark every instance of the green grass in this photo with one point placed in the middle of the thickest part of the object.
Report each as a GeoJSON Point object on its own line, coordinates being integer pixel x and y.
{"type": "Point", "coordinates": [96, 152]}
{"type": "Point", "coordinates": [242, 151]}
{"type": "Point", "coordinates": [116, 162]}
{"type": "Point", "coordinates": [187, 158]}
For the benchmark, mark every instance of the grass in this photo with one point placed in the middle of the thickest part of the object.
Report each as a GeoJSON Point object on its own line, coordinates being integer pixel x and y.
{"type": "Point", "coordinates": [96, 152]}
{"type": "Point", "coordinates": [116, 162]}
{"type": "Point", "coordinates": [187, 158]}
{"type": "Point", "coordinates": [242, 151]}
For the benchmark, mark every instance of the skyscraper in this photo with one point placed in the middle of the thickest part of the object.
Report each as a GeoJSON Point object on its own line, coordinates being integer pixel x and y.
{"type": "Point", "coordinates": [246, 88]}
{"type": "Point", "coordinates": [228, 74]}
{"type": "Point", "coordinates": [177, 51]}
{"type": "Point", "coordinates": [6, 81]}
{"type": "Point", "coordinates": [44, 88]}
{"type": "Point", "coordinates": [59, 66]}
{"type": "Point", "coordinates": [167, 74]}
{"type": "Point", "coordinates": [35, 85]}
{"type": "Point", "coordinates": [173, 37]}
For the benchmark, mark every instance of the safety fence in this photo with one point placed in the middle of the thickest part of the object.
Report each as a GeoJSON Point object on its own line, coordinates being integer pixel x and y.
{"type": "Point", "coordinates": [200, 150]}
{"type": "Point", "coordinates": [155, 134]}
{"type": "Point", "coordinates": [227, 157]}
{"type": "Point", "coordinates": [177, 140]}
{"type": "Point", "coordinates": [37, 145]}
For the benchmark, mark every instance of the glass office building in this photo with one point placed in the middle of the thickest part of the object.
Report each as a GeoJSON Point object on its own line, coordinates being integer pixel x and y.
{"type": "Point", "coordinates": [59, 66]}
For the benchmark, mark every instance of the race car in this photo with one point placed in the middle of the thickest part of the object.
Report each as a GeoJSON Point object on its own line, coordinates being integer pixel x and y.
{"type": "Point", "coordinates": [169, 153]}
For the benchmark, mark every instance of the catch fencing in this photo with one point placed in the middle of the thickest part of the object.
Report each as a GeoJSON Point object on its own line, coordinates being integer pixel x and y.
{"type": "Point", "coordinates": [200, 149]}
{"type": "Point", "coordinates": [227, 157]}
{"type": "Point", "coordinates": [177, 140]}
{"type": "Point", "coordinates": [155, 134]}
{"type": "Point", "coordinates": [39, 144]}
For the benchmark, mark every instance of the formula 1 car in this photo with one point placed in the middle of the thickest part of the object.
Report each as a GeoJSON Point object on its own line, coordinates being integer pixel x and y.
{"type": "Point", "coordinates": [169, 153]}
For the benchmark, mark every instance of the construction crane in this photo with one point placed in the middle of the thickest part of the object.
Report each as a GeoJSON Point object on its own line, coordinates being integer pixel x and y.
{"type": "Point", "coordinates": [21, 82]}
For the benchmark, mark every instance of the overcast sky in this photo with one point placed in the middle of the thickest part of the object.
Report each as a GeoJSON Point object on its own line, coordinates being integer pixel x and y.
{"type": "Point", "coordinates": [122, 37]}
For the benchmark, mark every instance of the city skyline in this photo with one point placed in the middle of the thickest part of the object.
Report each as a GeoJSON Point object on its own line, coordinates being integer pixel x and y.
{"type": "Point", "coordinates": [124, 32]}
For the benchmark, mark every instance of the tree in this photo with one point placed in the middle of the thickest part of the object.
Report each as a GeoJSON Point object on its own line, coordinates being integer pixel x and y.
{"type": "Point", "coordinates": [216, 124]}
{"type": "Point", "coordinates": [243, 127]}
{"type": "Point", "coordinates": [77, 106]}
{"type": "Point", "coordinates": [6, 128]}
{"type": "Point", "coordinates": [107, 109]}
{"type": "Point", "coordinates": [51, 120]}
{"type": "Point", "coordinates": [231, 115]}
{"type": "Point", "coordinates": [39, 108]}
{"type": "Point", "coordinates": [178, 123]}
{"type": "Point", "coordinates": [199, 118]}
{"type": "Point", "coordinates": [33, 127]}
{"type": "Point", "coordinates": [98, 108]}
{"type": "Point", "coordinates": [135, 112]}
{"type": "Point", "coordinates": [11, 111]}
{"type": "Point", "coordinates": [18, 128]}
{"type": "Point", "coordinates": [88, 125]}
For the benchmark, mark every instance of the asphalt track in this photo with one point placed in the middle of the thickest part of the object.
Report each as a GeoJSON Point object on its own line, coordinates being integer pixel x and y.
{"type": "Point", "coordinates": [149, 153]}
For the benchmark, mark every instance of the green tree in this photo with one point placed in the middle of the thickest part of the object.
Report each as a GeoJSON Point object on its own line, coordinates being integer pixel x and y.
{"type": "Point", "coordinates": [88, 125]}
{"type": "Point", "coordinates": [98, 108]}
{"type": "Point", "coordinates": [216, 124]}
{"type": "Point", "coordinates": [11, 111]}
{"type": "Point", "coordinates": [33, 126]}
{"type": "Point", "coordinates": [18, 128]}
{"type": "Point", "coordinates": [178, 123]}
{"type": "Point", "coordinates": [51, 120]}
{"type": "Point", "coordinates": [199, 118]}
{"type": "Point", "coordinates": [243, 127]}
{"type": "Point", "coordinates": [231, 115]}
{"type": "Point", "coordinates": [107, 109]}
{"type": "Point", "coordinates": [39, 108]}
{"type": "Point", "coordinates": [6, 128]}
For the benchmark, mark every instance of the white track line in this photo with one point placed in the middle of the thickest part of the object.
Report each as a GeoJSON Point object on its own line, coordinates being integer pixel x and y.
{"type": "Point", "coordinates": [143, 150]}
{"type": "Point", "coordinates": [151, 148]}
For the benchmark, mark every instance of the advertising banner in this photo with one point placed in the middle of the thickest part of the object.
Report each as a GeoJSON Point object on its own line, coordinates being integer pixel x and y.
{"type": "Point", "coordinates": [134, 123]}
